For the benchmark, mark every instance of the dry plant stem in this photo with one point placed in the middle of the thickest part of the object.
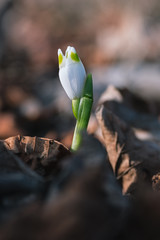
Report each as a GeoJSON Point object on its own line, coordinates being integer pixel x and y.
{"type": "Point", "coordinates": [84, 112]}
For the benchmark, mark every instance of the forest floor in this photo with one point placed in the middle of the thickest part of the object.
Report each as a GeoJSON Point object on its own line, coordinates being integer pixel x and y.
{"type": "Point", "coordinates": [110, 188]}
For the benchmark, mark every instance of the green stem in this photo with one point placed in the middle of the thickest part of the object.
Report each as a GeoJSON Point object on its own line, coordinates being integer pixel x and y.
{"type": "Point", "coordinates": [82, 122]}
{"type": "Point", "coordinates": [75, 106]}
{"type": "Point", "coordinates": [84, 112]}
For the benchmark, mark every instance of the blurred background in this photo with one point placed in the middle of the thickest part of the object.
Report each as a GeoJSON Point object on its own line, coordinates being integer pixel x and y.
{"type": "Point", "coordinates": [118, 42]}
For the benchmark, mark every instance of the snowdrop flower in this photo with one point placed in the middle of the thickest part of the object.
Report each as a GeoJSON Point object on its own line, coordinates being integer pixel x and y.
{"type": "Point", "coordinates": [72, 74]}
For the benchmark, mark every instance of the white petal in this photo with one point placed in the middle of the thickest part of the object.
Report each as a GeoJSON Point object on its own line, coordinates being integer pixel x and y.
{"type": "Point", "coordinates": [67, 50]}
{"type": "Point", "coordinates": [77, 75]}
{"type": "Point", "coordinates": [72, 49]}
{"type": "Point", "coordinates": [60, 52]}
{"type": "Point", "coordinates": [72, 73]}
{"type": "Point", "coordinates": [72, 78]}
{"type": "Point", "coordinates": [65, 82]}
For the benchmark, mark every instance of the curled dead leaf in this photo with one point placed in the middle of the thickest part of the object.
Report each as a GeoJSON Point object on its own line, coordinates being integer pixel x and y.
{"type": "Point", "coordinates": [42, 154]}
{"type": "Point", "coordinates": [133, 161]}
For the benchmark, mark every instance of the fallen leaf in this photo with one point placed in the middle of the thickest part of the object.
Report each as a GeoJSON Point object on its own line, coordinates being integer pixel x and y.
{"type": "Point", "coordinates": [43, 155]}
{"type": "Point", "coordinates": [132, 160]}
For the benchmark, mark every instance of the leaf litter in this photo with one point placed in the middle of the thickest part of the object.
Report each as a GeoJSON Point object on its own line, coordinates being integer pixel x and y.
{"type": "Point", "coordinates": [100, 192]}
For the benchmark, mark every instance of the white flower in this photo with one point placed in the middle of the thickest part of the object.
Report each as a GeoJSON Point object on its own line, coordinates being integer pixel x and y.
{"type": "Point", "coordinates": [71, 73]}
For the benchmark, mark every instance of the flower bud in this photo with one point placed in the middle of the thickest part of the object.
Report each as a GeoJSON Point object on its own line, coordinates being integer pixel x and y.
{"type": "Point", "coordinates": [72, 74]}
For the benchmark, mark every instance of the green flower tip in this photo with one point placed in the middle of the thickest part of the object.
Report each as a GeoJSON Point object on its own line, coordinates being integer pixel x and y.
{"type": "Point", "coordinates": [74, 57]}
{"type": "Point", "coordinates": [60, 58]}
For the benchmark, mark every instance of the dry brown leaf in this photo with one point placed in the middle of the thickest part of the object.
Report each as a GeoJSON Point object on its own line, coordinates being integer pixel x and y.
{"type": "Point", "coordinates": [132, 160]}
{"type": "Point", "coordinates": [42, 154]}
